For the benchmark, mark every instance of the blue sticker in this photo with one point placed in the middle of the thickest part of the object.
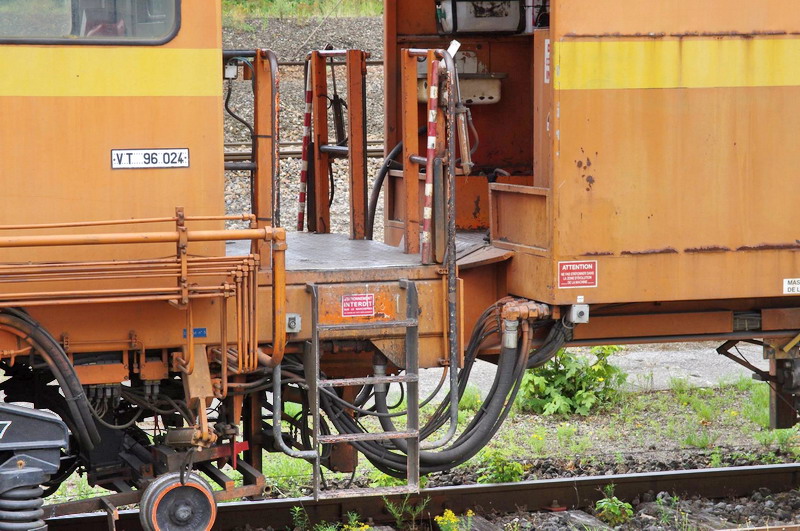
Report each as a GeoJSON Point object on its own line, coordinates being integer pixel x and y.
{"type": "Point", "coordinates": [197, 333]}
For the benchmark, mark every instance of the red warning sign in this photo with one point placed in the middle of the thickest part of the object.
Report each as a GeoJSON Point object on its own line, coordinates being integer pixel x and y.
{"type": "Point", "coordinates": [360, 305]}
{"type": "Point", "coordinates": [577, 274]}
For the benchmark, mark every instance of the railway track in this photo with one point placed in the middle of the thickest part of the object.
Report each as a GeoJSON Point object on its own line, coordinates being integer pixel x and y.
{"type": "Point", "coordinates": [503, 498]}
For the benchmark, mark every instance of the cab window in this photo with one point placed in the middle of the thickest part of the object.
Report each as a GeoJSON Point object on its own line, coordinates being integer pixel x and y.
{"type": "Point", "coordinates": [89, 21]}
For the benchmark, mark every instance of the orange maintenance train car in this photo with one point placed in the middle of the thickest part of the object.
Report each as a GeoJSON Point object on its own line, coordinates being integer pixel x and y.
{"type": "Point", "coordinates": [558, 172]}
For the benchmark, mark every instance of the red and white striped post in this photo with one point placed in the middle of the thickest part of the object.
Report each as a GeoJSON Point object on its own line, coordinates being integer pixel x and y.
{"type": "Point", "coordinates": [301, 210]}
{"type": "Point", "coordinates": [427, 210]}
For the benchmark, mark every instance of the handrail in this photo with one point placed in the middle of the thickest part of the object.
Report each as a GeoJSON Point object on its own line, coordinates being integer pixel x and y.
{"type": "Point", "coordinates": [265, 234]}
{"type": "Point", "coordinates": [134, 221]}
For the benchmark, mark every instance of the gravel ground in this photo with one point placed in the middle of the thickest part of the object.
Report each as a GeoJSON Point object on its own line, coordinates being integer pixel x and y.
{"type": "Point", "coordinates": [287, 38]}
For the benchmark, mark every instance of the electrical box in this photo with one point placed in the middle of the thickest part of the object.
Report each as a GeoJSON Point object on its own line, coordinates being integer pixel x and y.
{"type": "Point", "coordinates": [469, 16]}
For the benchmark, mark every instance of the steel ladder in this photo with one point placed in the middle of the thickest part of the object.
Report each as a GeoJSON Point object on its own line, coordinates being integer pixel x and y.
{"type": "Point", "coordinates": [410, 378]}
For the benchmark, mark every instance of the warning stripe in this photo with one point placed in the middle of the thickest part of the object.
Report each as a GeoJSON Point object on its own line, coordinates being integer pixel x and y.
{"type": "Point", "coordinates": [666, 63]}
{"type": "Point", "coordinates": [301, 210]}
{"type": "Point", "coordinates": [427, 211]}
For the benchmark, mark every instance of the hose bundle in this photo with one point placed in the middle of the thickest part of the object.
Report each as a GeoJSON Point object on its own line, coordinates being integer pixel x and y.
{"type": "Point", "coordinates": [28, 329]}
{"type": "Point", "coordinates": [390, 456]}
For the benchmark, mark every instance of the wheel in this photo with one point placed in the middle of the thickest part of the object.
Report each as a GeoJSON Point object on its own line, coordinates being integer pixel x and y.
{"type": "Point", "coordinates": [167, 505]}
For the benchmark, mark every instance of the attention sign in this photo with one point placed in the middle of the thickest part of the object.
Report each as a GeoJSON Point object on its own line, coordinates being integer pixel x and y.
{"type": "Point", "coordinates": [577, 274]}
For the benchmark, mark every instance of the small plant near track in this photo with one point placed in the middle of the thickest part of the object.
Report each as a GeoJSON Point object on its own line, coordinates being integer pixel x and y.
{"type": "Point", "coordinates": [448, 521]}
{"type": "Point", "coordinates": [405, 514]}
{"type": "Point", "coordinates": [354, 523]}
{"type": "Point", "coordinates": [379, 479]}
{"type": "Point", "coordinates": [300, 518]}
{"type": "Point", "coordinates": [570, 383]}
{"type": "Point", "coordinates": [497, 468]}
{"type": "Point", "coordinates": [700, 438]}
{"type": "Point", "coordinates": [611, 509]}
{"type": "Point", "coordinates": [539, 441]}
{"type": "Point", "coordinates": [301, 522]}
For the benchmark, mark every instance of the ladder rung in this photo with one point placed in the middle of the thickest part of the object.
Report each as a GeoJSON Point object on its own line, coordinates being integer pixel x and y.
{"type": "Point", "coordinates": [370, 380]}
{"type": "Point", "coordinates": [360, 493]}
{"type": "Point", "coordinates": [372, 325]}
{"type": "Point", "coordinates": [355, 437]}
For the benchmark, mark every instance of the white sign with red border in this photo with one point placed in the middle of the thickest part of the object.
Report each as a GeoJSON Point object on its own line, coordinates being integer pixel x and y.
{"type": "Point", "coordinates": [577, 274]}
{"type": "Point", "coordinates": [358, 305]}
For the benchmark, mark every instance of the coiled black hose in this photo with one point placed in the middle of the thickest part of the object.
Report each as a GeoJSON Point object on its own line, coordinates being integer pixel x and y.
{"type": "Point", "coordinates": [50, 350]}
{"type": "Point", "coordinates": [498, 403]}
{"type": "Point", "coordinates": [375, 193]}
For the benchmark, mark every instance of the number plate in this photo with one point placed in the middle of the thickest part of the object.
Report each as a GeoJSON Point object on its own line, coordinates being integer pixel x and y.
{"type": "Point", "coordinates": [134, 159]}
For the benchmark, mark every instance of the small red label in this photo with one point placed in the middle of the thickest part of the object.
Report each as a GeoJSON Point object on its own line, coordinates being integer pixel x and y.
{"type": "Point", "coordinates": [361, 305]}
{"type": "Point", "coordinates": [577, 274]}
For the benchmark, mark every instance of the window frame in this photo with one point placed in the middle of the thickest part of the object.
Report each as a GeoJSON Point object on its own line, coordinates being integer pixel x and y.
{"type": "Point", "coordinates": [61, 41]}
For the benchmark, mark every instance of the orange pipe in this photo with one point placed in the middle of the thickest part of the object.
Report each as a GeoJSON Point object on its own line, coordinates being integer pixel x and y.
{"type": "Point", "coordinates": [135, 237]}
{"type": "Point", "coordinates": [108, 223]}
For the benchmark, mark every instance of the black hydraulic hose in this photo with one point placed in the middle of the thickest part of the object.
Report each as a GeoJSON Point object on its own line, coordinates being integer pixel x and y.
{"type": "Point", "coordinates": [475, 437]}
{"type": "Point", "coordinates": [497, 405]}
{"type": "Point", "coordinates": [58, 362]}
{"type": "Point", "coordinates": [559, 334]}
{"type": "Point", "coordinates": [378, 184]}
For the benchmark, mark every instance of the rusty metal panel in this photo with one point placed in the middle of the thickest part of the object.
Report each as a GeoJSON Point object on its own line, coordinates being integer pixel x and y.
{"type": "Point", "coordinates": [521, 216]}
{"type": "Point", "coordinates": [673, 149]}
{"type": "Point", "coordinates": [600, 327]}
{"type": "Point", "coordinates": [780, 319]}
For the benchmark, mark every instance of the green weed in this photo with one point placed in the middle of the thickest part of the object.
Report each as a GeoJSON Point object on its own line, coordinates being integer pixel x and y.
{"type": "Point", "coordinates": [497, 468]}
{"type": "Point", "coordinates": [572, 384]}
{"type": "Point", "coordinates": [611, 509]}
{"type": "Point", "coordinates": [700, 438]}
{"type": "Point", "coordinates": [404, 511]}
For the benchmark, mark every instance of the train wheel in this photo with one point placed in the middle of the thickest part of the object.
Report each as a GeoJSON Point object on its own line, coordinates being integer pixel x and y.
{"type": "Point", "coordinates": [169, 505]}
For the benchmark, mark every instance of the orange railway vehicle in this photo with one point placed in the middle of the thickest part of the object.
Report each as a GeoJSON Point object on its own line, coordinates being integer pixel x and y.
{"type": "Point", "coordinates": [558, 172]}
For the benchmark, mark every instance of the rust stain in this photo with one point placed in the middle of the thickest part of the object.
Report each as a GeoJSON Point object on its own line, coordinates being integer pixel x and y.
{"type": "Point", "coordinates": [476, 212]}
{"type": "Point", "coordinates": [599, 253]}
{"type": "Point", "coordinates": [770, 247]}
{"type": "Point", "coordinates": [707, 249]}
{"type": "Point", "coordinates": [666, 250]}
{"type": "Point", "coordinates": [662, 35]}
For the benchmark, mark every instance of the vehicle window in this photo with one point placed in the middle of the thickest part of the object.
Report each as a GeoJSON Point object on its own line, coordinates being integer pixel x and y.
{"type": "Point", "coordinates": [86, 21]}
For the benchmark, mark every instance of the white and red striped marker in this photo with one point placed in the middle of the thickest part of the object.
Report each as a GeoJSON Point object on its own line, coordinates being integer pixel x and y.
{"type": "Point", "coordinates": [301, 210]}
{"type": "Point", "coordinates": [427, 211]}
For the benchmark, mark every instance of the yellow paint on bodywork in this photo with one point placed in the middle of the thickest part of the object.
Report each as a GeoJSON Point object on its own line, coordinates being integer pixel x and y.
{"type": "Point", "coordinates": [130, 71]}
{"type": "Point", "coordinates": [665, 63]}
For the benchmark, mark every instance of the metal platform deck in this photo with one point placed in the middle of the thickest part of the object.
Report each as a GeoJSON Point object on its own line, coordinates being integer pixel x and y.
{"type": "Point", "coordinates": [337, 252]}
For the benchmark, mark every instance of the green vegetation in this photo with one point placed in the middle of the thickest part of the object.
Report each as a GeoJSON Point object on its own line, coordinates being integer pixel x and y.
{"type": "Point", "coordinates": [301, 522]}
{"type": "Point", "coordinates": [237, 13]}
{"type": "Point", "coordinates": [611, 509]}
{"type": "Point", "coordinates": [570, 383]}
{"type": "Point", "coordinates": [448, 521]}
{"type": "Point", "coordinates": [405, 514]}
{"type": "Point", "coordinates": [379, 479]}
{"type": "Point", "coordinates": [496, 467]}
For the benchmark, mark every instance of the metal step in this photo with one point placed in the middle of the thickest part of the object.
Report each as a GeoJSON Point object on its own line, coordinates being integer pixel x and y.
{"type": "Point", "coordinates": [411, 378]}
{"type": "Point", "coordinates": [355, 437]}
{"type": "Point", "coordinates": [365, 492]}
{"type": "Point", "coordinates": [372, 325]}
{"type": "Point", "coordinates": [369, 380]}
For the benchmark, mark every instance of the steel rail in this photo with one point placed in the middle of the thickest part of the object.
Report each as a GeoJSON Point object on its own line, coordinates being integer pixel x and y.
{"type": "Point", "coordinates": [579, 492]}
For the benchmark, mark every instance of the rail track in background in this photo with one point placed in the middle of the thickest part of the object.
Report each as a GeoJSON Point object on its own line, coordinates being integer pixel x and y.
{"type": "Point", "coordinates": [578, 492]}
